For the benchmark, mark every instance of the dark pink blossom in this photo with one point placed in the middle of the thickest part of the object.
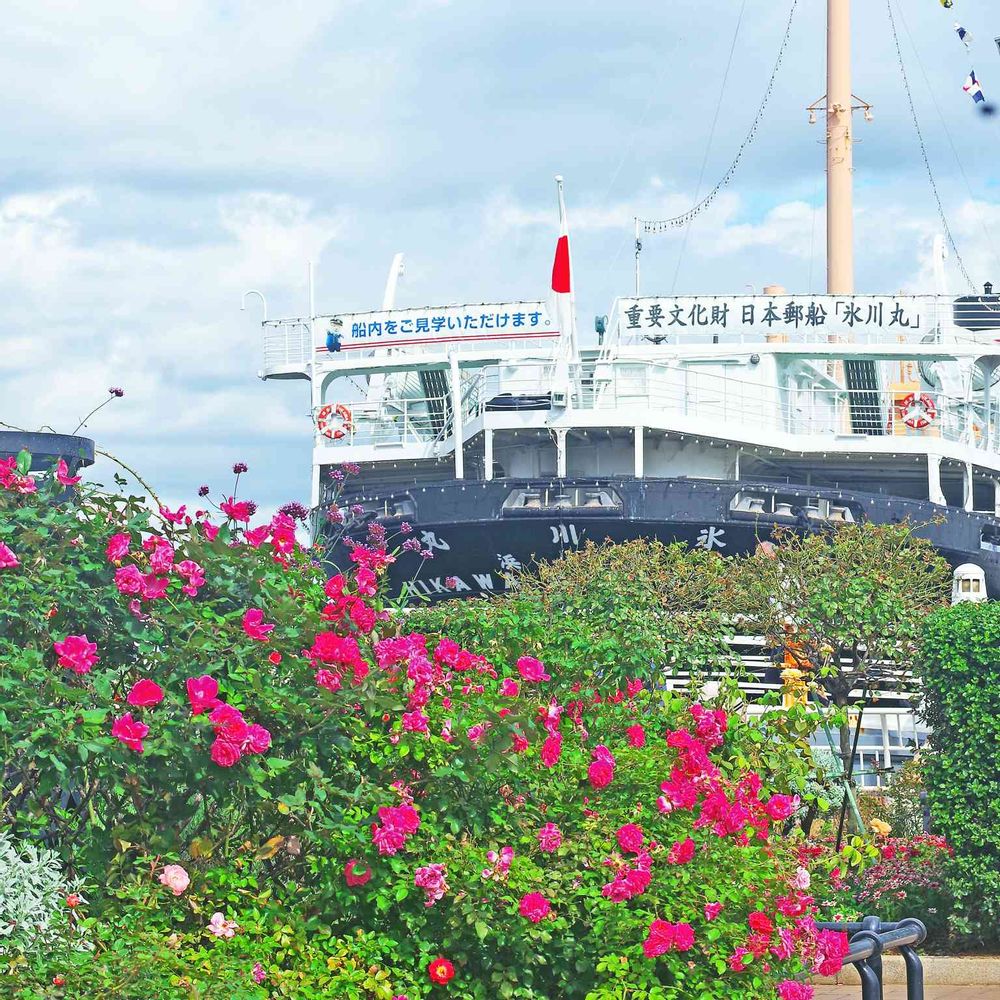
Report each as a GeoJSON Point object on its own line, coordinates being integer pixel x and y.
{"type": "Point", "coordinates": [76, 653]}
{"type": "Point", "coordinates": [255, 626]}
{"type": "Point", "coordinates": [532, 670]}
{"type": "Point", "coordinates": [144, 693]}
{"type": "Point", "coordinates": [534, 906]}
{"type": "Point", "coordinates": [129, 731]}
{"type": "Point", "coordinates": [202, 692]}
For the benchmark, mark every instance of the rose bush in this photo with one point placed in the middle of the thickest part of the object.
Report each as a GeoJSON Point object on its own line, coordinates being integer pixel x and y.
{"type": "Point", "coordinates": [193, 692]}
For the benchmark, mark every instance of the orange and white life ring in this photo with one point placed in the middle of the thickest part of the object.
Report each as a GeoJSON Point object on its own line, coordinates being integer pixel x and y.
{"type": "Point", "coordinates": [334, 421]}
{"type": "Point", "coordinates": [916, 411]}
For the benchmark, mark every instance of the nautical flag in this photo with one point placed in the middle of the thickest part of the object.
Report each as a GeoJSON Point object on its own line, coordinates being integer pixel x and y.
{"type": "Point", "coordinates": [562, 278]}
{"type": "Point", "coordinates": [973, 89]}
{"type": "Point", "coordinates": [947, 3]}
{"type": "Point", "coordinates": [963, 35]}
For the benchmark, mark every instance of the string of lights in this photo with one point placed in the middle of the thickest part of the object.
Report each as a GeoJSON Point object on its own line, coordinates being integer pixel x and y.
{"type": "Point", "coordinates": [923, 152]}
{"type": "Point", "coordinates": [662, 225]}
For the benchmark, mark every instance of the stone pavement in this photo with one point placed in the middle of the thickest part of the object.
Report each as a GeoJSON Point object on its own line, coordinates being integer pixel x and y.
{"type": "Point", "coordinates": [899, 992]}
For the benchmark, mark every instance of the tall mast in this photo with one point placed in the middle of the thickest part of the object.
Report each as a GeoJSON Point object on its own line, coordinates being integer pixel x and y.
{"type": "Point", "coordinates": [839, 151]}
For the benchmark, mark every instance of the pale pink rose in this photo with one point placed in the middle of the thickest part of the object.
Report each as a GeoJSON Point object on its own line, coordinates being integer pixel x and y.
{"type": "Point", "coordinates": [175, 879]}
{"type": "Point", "coordinates": [221, 927]}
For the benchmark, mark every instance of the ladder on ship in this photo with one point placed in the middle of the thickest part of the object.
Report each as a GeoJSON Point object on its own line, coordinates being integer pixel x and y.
{"type": "Point", "coordinates": [437, 394]}
{"type": "Point", "coordinates": [861, 378]}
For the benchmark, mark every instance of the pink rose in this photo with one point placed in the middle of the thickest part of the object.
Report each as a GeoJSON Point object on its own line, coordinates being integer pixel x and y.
{"type": "Point", "coordinates": [532, 670]}
{"type": "Point", "coordinates": [129, 731]}
{"type": "Point", "coordinates": [175, 879]}
{"type": "Point", "coordinates": [202, 693]}
{"type": "Point", "coordinates": [254, 625]}
{"type": "Point", "coordinates": [600, 773]}
{"type": "Point", "coordinates": [225, 753]}
{"type": "Point", "coordinates": [145, 692]}
{"type": "Point", "coordinates": [712, 910]}
{"type": "Point", "coordinates": [636, 736]}
{"type": "Point", "coordinates": [258, 740]}
{"type": "Point", "coordinates": [550, 838]}
{"type": "Point", "coordinates": [7, 558]}
{"type": "Point", "coordinates": [221, 927]}
{"type": "Point", "coordinates": [77, 653]}
{"type": "Point", "coordinates": [681, 853]}
{"type": "Point", "coordinates": [117, 548]}
{"type": "Point", "coordinates": [509, 688]}
{"type": "Point", "coordinates": [62, 474]}
{"type": "Point", "coordinates": [630, 838]}
{"type": "Point", "coordinates": [128, 579]}
{"type": "Point", "coordinates": [534, 906]}
{"type": "Point", "coordinates": [551, 750]}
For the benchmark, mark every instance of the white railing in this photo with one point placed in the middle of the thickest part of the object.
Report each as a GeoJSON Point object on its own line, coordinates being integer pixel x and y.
{"type": "Point", "coordinates": [673, 391]}
{"type": "Point", "coordinates": [392, 423]}
{"type": "Point", "coordinates": [287, 344]}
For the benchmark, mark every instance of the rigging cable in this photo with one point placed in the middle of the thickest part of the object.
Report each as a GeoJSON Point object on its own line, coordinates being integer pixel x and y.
{"type": "Point", "coordinates": [708, 147]}
{"type": "Point", "coordinates": [923, 152]}
{"type": "Point", "coordinates": [662, 225]}
{"type": "Point", "coordinates": [951, 142]}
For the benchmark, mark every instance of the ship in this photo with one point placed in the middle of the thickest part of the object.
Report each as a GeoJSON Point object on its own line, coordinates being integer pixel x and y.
{"type": "Point", "coordinates": [501, 438]}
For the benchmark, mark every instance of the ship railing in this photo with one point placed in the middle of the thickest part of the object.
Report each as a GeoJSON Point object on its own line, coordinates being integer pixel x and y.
{"type": "Point", "coordinates": [669, 390]}
{"type": "Point", "coordinates": [393, 423]}
{"type": "Point", "coordinates": [288, 343]}
{"type": "Point", "coordinates": [683, 392]}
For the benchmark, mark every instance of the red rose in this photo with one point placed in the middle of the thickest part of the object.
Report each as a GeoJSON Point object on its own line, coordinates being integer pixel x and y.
{"type": "Point", "coordinates": [760, 923]}
{"type": "Point", "coordinates": [441, 971]}
{"type": "Point", "coordinates": [72, 900]}
{"type": "Point", "coordinates": [58, 981]}
{"type": "Point", "coordinates": [275, 657]}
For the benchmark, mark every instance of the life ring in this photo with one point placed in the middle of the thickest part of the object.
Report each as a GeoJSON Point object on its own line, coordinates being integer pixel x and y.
{"type": "Point", "coordinates": [334, 421]}
{"type": "Point", "coordinates": [917, 412]}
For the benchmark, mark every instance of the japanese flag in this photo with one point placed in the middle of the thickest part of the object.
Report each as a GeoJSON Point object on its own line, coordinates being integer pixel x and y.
{"type": "Point", "coordinates": [562, 279]}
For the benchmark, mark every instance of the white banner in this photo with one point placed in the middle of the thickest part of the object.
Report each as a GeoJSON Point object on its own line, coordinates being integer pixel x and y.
{"type": "Point", "coordinates": [432, 327]}
{"type": "Point", "coordinates": [675, 316]}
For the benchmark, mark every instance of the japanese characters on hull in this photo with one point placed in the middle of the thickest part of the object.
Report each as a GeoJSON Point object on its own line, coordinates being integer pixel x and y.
{"type": "Point", "coordinates": [773, 315]}
{"type": "Point", "coordinates": [463, 563]}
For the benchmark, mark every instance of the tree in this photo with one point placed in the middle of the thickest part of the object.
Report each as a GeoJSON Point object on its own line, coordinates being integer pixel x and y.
{"type": "Point", "coordinates": [611, 610]}
{"type": "Point", "coordinates": [845, 606]}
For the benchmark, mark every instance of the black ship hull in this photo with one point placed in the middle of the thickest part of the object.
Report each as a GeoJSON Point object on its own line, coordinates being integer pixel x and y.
{"type": "Point", "coordinates": [480, 532]}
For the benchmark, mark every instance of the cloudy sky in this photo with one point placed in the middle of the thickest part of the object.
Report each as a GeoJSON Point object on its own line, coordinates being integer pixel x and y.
{"type": "Point", "coordinates": [159, 158]}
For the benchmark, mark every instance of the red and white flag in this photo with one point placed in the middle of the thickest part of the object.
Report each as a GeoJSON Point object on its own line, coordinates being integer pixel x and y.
{"type": "Point", "coordinates": [564, 310]}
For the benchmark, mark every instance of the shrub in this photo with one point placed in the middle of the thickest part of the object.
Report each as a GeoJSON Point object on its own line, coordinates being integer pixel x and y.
{"type": "Point", "coordinates": [494, 826]}
{"type": "Point", "coordinates": [613, 611]}
{"type": "Point", "coordinates": [34, 896]}
{"type": "Point", "coordinates": [909, 880]}
{"type": "Point", "coordinates": [960, 673]}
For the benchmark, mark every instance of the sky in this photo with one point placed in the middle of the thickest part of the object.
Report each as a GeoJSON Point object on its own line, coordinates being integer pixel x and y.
{"type": "Point", "coordinates": [159, 158]}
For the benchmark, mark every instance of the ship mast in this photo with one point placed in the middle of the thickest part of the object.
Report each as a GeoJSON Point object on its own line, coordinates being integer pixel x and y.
{"type": "Point", "coordinates": [839, 151]}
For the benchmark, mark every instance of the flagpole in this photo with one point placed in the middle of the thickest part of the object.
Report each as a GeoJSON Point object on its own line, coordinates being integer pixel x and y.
{"type": "Point", "coordinates": [839, 151]}
{"type": "Point", "coordinates": [564, 229]}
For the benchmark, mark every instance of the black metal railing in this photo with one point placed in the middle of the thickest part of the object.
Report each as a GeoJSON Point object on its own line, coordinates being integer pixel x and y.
{"type": "Point", "coordinates": [870, 939]}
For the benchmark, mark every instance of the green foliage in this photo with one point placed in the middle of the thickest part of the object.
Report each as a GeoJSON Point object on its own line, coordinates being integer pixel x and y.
{"type": "Point", "coordinates": [612, 611]}
{"type": "Point", "coordinates": [960, 673]}
{"type": "Point", "coordinates": [845, 605]}
{"type": "Point", "coordinates": [407, 723]}
{"type": "Point", "coordinates": [66, 775]}
{"type": "Point", "coordinates": [33, 890]}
